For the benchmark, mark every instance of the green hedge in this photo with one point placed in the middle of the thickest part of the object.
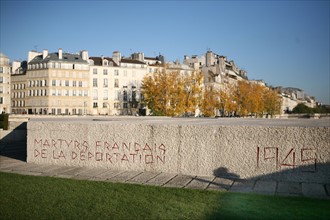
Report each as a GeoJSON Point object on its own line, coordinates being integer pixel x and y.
{"type": "Point", "coordinates": [4, 121]}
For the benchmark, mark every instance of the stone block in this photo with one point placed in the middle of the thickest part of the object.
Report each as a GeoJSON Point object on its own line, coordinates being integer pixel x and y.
{"type": "Point", "coordinates": [200, 182]}
{"type": "Point", "coordinates": [161, 179]}
{"type": "Point", "coordinates": [221, 184]}
{"type": "Point", "coordinates": [265, 187]}
{"type": "Point", "coordinates": [314, 190]}
{"type": "Point", "coordinates": [179, 181]}
{"type": "Point", "coordinates": [289, 188]}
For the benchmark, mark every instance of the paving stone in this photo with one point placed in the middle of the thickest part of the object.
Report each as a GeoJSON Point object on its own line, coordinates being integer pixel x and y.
{"type": "Point", "coordinates": [15, 166]}
{"type": "Point", "coordinates": [220, 184]}
{"type": "Point", "coordinates": [89, 173]}
{"type": "Point", "coordinates": [125, 176]}
{"type": "Point", "coordinates": [161, 179]}
{"type": "Point", "coordinates": [42, 168]}
{"type": "Point", "coordinates": [143, 177]}
{"type": "Point", "coordinates": [9, 166]}
{"type": "Point", "coordinates": [107, 175]}
{"type": "Point", "coordinates": [179, 181]}
{"type": "Point", "coordinates": [289, 188]}
{"type": "Point", "coordinates": [314, 190]}
{"type": "Point", "coordinates": [265, 187]}
{"type": "Point", "coordinates": [242, 186]}
{"type": "Point", "coordinates": [26, 173]}
{"type": "Point", "coordinates": [70, 173]}
{"type": "Point", "coordinates": [56, 171]}
{"type": "Point", "coordinates": [327, 187]}
{"type": "Point", "coordinates": [200, 182]}
{"type": "Point", "coordinates": [25, 167]}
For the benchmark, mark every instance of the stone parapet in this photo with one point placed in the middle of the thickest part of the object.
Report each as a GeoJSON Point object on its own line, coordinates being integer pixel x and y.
{"type": "Point", "coordinates": [280, 150]}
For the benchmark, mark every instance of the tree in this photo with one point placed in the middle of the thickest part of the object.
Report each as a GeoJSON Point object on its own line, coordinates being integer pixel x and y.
{"type": "Point", "coordinates": [172, 93]}
{"type": "Point", "coordinates": [302, 108]}
{"type": "Point", "coordinates": [247, 98]}
{"type": "Point", "coordinates": [272, 102]}
{"type": "Point", "coordinates": [209, 102]}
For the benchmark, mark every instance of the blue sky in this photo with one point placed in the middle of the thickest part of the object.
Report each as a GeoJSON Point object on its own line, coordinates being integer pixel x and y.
{"type": "Point", "coordinates": [285, 43]}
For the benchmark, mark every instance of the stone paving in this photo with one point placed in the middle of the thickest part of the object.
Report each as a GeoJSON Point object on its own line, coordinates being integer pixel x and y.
{"type": "Point", "coordinates": [268, 187]}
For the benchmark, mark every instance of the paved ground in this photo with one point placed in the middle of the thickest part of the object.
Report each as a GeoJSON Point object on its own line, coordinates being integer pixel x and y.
{"type": "Point", "coordinates": [12, 159]}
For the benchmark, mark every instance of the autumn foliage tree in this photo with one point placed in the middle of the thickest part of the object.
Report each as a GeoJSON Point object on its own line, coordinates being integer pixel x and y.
{"type": "Point", "coordinates": [248, 98]}
{"type": "Point", "coordinates": [172, 93]}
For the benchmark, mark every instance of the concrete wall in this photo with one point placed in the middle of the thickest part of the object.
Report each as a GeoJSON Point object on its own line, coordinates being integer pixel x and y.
{"type": "Point", "coordinates": [289, 153]}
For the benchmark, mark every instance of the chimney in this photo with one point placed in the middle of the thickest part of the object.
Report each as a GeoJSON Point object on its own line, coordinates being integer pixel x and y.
{"type": "Point", "coordinates": [84, 55]}
{"type": "Point", "coordinates": [32, 54]}
{"type": "Point", "coordinates": [44, 54]}
{"type": "Point", "coordinates": [60, 54]}
{"type": "Point", "coordinates": [15, 65]}
{"type": "Point", "coordinates": [209, 56]}
{"type": "Point", "coordinates": [116, 57]}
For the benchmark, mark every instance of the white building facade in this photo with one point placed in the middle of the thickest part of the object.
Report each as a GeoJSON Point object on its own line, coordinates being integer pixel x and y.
{"type": "Point", "coordinates": [5, 79]}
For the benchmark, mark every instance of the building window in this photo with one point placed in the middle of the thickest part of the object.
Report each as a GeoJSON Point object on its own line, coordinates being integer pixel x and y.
{"type": "Point", "coordinates": [105, 95]}
{"type": "Point", "coordinates": [117, 94]}
{"type": "Point", "coordinates": [74, 92]}
{"type": "Point", "coordinates": [116, 105]}
{"type": "Point", "coordinates": [105, 83]}
{"type": "Point", "coordinates": [134, 96]}
{"type": "Point", "coordinates": [105, 72]}
{"type": "Point", "coordinates": [66, 92]}
{"type": "Point", "coordinates": [1, 100]}
{"type": "Point", "coordinates": [94, 104]}
{"type": "Point", "coordinates": [116, 83]}
{"type": "Point", "coordinates": [74, 83]}
{"type": "Point", "coordinates": [80, 83]}
{"type": "Point", "coordinates": [66, 82]}
{"type": "Point", "coordinates": [94, 82]}
{"type": "Point", "coordinates": [105, 104]}
{"type": "Point", "coordinates": [95, 94]}
{"type": "Point", "coordinates": [94, 71]}
{"type": "Point", "coordinates": [59, 111]}
{"type": "Point", "coordinates": [125, 95]}
{"type": "Point", "coordinates": [125, 105]}
{"type": "Point", "coordinates": [53, 83]}
{"type": "Point", "coordinates": [116, 72]}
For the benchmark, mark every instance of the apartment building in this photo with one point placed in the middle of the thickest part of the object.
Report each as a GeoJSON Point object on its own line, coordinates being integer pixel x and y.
{"type": "Point", "coordinates": [5, 70]}
{"type": "Point", "coordinates": [116, 83]}
{"type": "Point", "coordinates": [54, 83]}
{"type": "Point", "coordinates": [216, 68]}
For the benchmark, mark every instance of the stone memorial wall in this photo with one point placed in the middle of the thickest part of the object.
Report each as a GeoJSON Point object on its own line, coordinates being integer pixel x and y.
{"type": "Point", "coordinates": [291, 153]}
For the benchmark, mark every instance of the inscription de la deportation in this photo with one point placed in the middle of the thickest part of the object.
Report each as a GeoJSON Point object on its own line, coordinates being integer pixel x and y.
{"type": "Point", "coordinates": [100, 151]}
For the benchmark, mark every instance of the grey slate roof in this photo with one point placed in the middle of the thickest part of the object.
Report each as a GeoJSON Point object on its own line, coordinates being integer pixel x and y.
{"type": "Point", "coordinates": [66, 57]}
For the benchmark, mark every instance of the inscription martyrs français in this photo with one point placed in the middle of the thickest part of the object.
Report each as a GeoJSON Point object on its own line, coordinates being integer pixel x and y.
{"type": "Point", "coordinates": [100, 151]}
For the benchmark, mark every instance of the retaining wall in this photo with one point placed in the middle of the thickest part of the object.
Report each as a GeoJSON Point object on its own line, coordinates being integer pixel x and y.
{"type": "Point", "coordinates": [195, 147]}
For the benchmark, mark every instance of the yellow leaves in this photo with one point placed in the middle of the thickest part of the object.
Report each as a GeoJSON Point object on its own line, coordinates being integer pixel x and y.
{"type": "Point", "coordinates": [171, 93]}
{"type": "Point", "coordinates": [250, 99]}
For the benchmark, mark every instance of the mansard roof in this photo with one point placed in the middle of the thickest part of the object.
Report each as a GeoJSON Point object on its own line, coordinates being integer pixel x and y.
{"type": "Point", "coordinates": [98, 61]}
{"type": "Point", "coordinates": [123, 60]}
{"type": "Point", "coordinates": [66, 57]}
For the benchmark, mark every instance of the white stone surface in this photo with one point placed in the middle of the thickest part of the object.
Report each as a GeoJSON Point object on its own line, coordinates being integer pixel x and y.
{"type": "Point", "coordinates": [290, 150]}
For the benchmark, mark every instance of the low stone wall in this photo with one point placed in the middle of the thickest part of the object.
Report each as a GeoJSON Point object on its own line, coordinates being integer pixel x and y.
{"type": "Point", "coordinates": [201, 147]}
